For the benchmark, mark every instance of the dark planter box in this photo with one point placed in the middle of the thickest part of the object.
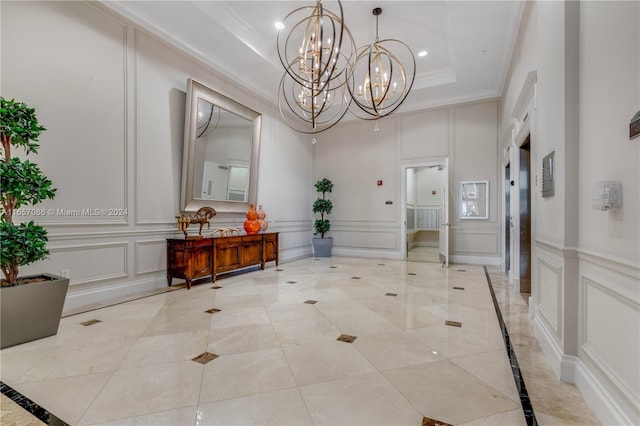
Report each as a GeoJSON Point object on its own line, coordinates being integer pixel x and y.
{"type": "Point", "coordinates": [31, 311]}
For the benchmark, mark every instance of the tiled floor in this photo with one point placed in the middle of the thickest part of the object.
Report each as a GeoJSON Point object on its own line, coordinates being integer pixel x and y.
{"type": "Point", "coordinates": [271, 357]}
{"type": "Point", "coordinates": [424, 254]}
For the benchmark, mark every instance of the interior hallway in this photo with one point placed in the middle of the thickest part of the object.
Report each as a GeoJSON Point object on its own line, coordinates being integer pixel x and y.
{"type": "Point", "coordinates": [276, 359]}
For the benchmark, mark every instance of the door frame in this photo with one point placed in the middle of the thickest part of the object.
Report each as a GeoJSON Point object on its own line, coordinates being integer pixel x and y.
{"type": "Point", "coordinates": [524, 116]}
{"type": "Point", "coordinates": [404, 165]}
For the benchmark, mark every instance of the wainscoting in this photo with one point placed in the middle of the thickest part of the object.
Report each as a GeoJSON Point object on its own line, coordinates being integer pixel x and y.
{"type": "Point", "coordinates": [575, 327]}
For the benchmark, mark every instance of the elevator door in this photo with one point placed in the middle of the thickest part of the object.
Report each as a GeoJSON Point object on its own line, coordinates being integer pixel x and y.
{"type": "Point", "coordinates": [525, 217]}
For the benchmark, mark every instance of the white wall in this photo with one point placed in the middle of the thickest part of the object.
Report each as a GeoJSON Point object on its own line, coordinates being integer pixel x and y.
{"type": "Point", "coordinates": [355, 157]}
{"type": "Point", "coordinates": [113, 99]}
{"type": "Point", "coordinates": [586, 265]}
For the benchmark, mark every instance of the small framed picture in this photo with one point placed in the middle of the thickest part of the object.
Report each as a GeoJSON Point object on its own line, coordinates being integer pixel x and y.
{"type": "Point", "coordinates": [474, 199]}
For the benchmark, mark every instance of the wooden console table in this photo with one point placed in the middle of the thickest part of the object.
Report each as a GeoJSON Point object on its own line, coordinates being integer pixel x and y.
{"type": "Point", "coordinates": [196, 259]}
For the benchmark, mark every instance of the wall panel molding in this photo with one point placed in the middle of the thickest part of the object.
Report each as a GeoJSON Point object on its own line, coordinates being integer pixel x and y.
{"type": "Point", "coordinates": [487, 240]}
{"type": "Point", "coordinates": [610, 300]}
{"type": "Point", "coordinates": [95, 258]}
{"type": "Point", "coordinates": [154, 248]}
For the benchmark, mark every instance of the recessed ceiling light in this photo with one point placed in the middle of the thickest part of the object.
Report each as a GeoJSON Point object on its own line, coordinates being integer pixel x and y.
{"type": "Point", "coordinates": [423, 53]}
{"type": "Point", "coordinates": [279, 25]}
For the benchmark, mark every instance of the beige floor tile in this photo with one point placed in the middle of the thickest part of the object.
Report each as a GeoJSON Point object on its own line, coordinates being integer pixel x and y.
{"type": "Point", "coordinates": [11, 414]}
{"type": "Point", "coordinates": [443, 391]}
{"type": "Point", "coordinates": [367, 399]}
{"type": "Point", "coordinates": [234, 340]}
{"type": "Point", "coordinates": [134, 367]}
{"type": "Point", "coordinates": [140, 391]}
{"type": "Point", "coordinates": [321, 362]}
{"type": "Point", "coordinates": [67, 397]}
{"type": "Point", "coordinates": [283, 407]}
{"type": "Point", "coordinates": [292, 333]}
{"type": "Point", "coordinates": [494, 369]}
{"type": "Point", "coordinates": [166, 348]}
{"type": "Point", "coordinates": [249, 373]}
{"type": "Point", "coordinates": [394, 350]}
{"type": "Point", "coordinates": [509, 418]}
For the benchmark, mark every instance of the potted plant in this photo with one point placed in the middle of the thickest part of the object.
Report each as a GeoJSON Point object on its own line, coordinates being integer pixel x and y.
{"type": "Point", "coordinates": [322, 246]}
{"type": "Point", "coordinates": [30, 306]}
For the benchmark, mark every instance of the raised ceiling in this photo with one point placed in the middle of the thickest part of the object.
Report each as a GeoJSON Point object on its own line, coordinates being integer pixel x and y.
{"type": "Point", "coordinates": [469, 43]}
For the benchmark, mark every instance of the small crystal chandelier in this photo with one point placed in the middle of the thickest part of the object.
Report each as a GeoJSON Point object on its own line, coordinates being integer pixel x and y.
{"type": "Point", "coordinates": [316, 55]}
{"type": "Point", "coordinates": [383, 81]}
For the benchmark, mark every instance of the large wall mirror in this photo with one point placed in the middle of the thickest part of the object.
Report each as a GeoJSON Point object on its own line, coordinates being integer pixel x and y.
{"type": "Point", "coordinates": [221, 150]}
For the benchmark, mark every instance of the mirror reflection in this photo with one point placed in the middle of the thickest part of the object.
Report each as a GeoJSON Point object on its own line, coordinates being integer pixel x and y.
{"type": "Point", "coordinates": [221, 150]}
{"type": "Point", "coordinates": [223, 154]}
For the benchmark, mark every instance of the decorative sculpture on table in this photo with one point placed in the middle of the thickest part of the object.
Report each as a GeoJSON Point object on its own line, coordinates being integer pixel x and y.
{"type": "Point", "coordinates": [202, 216]}
{"type": "Point", "coordinates": [225, 232]}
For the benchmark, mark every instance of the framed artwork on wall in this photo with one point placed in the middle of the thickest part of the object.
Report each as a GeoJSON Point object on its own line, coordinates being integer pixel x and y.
{"type": "Point", "coordinates": [474, 199]}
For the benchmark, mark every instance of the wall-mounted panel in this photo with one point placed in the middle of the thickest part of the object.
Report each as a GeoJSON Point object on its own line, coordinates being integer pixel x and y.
{"type": "Point", "coordinates": [49, 61]}
{"type": "Point", "coordinates": [616, 353]}
{"type": "Point", "coordinates": [366, 239]}
{"type": "Point", "coordinates": [289, 161]}
{"type": "Point", "coordinates": [424, 134]}
{"type": "Point", "coordinates": [355, 156]}
{"type": "Point", "coordinates": [88, 263]}
{"type": "Point", "coordinates": [151, 256]}
{"type": "Point", "coordinates": [474, 242]}
{"type": "Point", "coordinates": [160, 83]}
{"type": "Point", "coordinates": [550, 273]}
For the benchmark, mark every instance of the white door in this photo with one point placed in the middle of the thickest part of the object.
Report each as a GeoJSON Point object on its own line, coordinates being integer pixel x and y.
{"type": "Point", "coordinates": [444, 218]}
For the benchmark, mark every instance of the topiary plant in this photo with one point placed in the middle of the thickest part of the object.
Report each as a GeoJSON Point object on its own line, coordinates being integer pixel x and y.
{"type": "Point", "coordinates": [322, 206]}
{"type": "Point", "coordinates": [21, 184]}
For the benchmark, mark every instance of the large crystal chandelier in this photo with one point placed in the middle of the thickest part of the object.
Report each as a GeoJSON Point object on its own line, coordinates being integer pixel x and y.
{"type": "Point", "coordinates": [383, 80]}
{"type": "Point", "coordinates": [315, 54]}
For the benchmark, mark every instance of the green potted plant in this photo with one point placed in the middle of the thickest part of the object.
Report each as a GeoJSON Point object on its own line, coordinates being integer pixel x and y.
{"type": "Point", "coordinates": [30, 306]}
{"type": "Point", "coordinates": [322, 246]}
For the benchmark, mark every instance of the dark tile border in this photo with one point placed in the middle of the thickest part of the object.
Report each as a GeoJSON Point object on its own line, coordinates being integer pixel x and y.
{"type": "Point", "coordinates": [39, 412]}
{"type": "Point", "coordinates": [527, 407]}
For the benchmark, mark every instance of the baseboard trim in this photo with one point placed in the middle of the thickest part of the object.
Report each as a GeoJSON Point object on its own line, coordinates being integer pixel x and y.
{"type": "Point", "coordinates": [77, 300]}
{"type": "Point", "coordinates": [572, 370]}
{"type": "Point", "coordinates": [605, 408]}
{"type": "Point", "coordinates": [475, 260]}
{"type": "Point", "coordinates": [367, 253]}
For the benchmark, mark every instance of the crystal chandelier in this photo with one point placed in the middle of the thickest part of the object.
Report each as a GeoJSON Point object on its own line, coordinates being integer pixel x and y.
{"type": "Point", "coordinates": [315, 54]}
{"type": "Point", "coordinates": [383, 81]}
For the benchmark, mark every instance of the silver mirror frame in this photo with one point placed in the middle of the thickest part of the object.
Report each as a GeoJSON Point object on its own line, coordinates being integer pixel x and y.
{"type": "Point", "coordinates": [188, 203]}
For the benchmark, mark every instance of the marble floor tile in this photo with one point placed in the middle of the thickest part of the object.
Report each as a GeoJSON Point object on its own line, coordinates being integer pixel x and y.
{"type": "Point", "coordinates": [140, 391]}
{"type": "Point", "coordinates": [56, 394]}
{"type": "Point", "coordinates": [367, 399]}
{"type": "Point", "coordinates": [290, 312]}
{"type": "Point", "coordinates": [394, 350]}
{"type": "Point", "coordinates": [79, 360]}
{"type": "Point", "coordinates": [166, 348]}
{"type": "Point", "coordinates": [249, 373]}
{"type": "Point", "coordinates": [11, 414]}
{"type": "Point", "coordinates": [362, 323]}
{"type": "Point", "coordinates": [508, 418]}
{"type": "Point", "coordinates": [178, 417]}
{"type": "Point", "coordinates": [234, 340]}
{"type": "Point", "coordinates": [321, 362]}
{"type": "Point", "coordinates": [494, 369]}
{"type": "Point", "coordinates": [292, 333]}
{"type": "Point", "coordinates": [442, 390]}
{"type": "Point", "coordinates": [240, 317]}
{"type": "Point", "coordinates": [277, 360]}
{"type": "Point", "coordinates": [283, 407]}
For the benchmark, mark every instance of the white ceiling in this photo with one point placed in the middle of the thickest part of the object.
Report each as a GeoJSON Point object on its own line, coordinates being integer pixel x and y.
{"type": "Point", "coordinates": [469, 42]}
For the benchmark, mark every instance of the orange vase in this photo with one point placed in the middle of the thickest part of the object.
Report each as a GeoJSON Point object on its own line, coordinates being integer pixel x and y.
{"type": "Point", "coordinates": [251, 225]}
